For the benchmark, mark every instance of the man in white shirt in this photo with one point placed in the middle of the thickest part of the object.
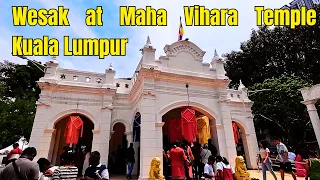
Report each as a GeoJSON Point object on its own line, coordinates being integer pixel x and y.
{"type": "Point", "coordinates": [208, 169]}
{"type": "Point", "coordinates": [285, 164]}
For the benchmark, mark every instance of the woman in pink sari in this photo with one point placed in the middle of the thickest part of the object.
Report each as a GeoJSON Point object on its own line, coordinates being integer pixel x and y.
{"type": "Point", "coordinates": [300, 166]}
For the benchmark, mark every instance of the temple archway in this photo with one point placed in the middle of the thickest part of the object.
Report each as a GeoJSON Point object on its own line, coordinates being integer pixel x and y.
{"type": "Point", "coordinates": [173, 123]}
{"type": "Point", "coordinates": [58, 141]}
{"type": "Point", "coordinates": [241, 142]}
{"type": "Point", "coordinates": [117, 149]}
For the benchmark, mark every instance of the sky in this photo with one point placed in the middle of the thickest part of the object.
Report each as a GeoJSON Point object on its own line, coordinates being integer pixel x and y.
{"type": "Point", "coordinates": [223, 39]}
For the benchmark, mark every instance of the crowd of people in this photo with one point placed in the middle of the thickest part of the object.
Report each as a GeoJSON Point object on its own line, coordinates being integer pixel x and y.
{"type": "Point", "coordinates": [182, 161]}
{"type": "Point", "coordinates": [287, 160]}
{"type": "Point", "coordinates": [20, 165]}
{"type": "Point", "coordinates": [24, 168]}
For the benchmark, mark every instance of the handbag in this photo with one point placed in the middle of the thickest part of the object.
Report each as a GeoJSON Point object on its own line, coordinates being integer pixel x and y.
{"type": "Point", "coordinates": [16, 170]}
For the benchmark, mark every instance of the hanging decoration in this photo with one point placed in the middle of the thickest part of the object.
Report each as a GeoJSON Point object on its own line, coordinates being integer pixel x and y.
{"type": "Point", "coordinates": [174, 130]}
{"type": "Point", "coordinates": [236, 133]}
{"type": "Point", "coordinates": [189, 124]}
{"type": "Point", "coordinates": [74, 129]}
{"type": "Point", "coordinates": [203, 127]}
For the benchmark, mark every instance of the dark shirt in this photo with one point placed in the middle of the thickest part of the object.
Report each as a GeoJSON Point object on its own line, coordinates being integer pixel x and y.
{"type": "Point", "coordinates": [92, 171]}
{"type": "Point", "coordinates": [130, 155]}
{"type": "Point", "coordinates": [213, 149]}
{"type": "Point", "coordinates": [196, 152]}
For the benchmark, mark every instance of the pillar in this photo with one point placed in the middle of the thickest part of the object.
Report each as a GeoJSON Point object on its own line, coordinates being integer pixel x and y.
{"type": "Point", "coordinates": [46, 144]}
{"type": "Point", "coordinates": [222, 147]}
{"type": "Point", "coordinates": [228, 132]}
{"type": "Point", "coordinates": [250, 143]}
{"type": "Point", "coordinates": [149, 147]}
{"type": "Point", "coordinates": [38, 131]}
{"type": "Point", "coordinates": [129, 137]}
{"type": "Point", "coordinates": [103, 135]}
{"type": "Point", "coordinates": [314, 117]}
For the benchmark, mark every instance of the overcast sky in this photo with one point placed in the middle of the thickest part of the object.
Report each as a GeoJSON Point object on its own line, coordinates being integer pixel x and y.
{"type": "Point", "coordinates": [224, 39]}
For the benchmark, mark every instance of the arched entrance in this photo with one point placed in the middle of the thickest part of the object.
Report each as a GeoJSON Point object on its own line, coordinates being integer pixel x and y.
{"type": "Point", "coordinates": [241, 141]}
{"type": "Point", "coordinates": [59, 142]}
{"type": "Point", "coordinates": [117, 149]}
{"type": "Point", "coordinates": [175, 123]}
{"type": "Point", "coordinates": [136, 131]}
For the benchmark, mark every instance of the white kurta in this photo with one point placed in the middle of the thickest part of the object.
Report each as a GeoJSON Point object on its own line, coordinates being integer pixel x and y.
{"type": "Point", "coordinates": [85, 163]}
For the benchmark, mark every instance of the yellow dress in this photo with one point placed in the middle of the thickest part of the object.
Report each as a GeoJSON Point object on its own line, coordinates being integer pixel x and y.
{"type": "Point", "coordinates": [203, 126]}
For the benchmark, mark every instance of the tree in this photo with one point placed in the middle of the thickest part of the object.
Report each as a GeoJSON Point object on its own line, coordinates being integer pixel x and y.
{"type": "Point", "coordinates": [269, 58]}
{"type": "Point", "coordinates": [273, 52]}
{"type": "Point", "coordinates": [19, 92]}
{"type": "Point", "coordinates": [281, 109]}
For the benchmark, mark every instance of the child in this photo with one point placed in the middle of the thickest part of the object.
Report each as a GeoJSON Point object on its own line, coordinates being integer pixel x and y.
{"type": "Point", "coordinates": [208, 168]}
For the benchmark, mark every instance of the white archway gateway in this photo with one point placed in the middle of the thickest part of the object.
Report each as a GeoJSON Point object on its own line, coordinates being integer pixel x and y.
{"type": "Point", "coordinates": [310, 96]}
{"type": "Point", "coordinates": [157, 86]}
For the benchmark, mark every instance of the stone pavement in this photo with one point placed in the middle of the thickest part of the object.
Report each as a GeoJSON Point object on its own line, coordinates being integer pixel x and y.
{"type": "Point", "coordinates": [253, 173]}
{"type": "Point", "coordinates": [257, 174]}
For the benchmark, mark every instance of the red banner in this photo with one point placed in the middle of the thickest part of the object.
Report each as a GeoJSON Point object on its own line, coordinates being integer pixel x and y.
{"type": "Point", "coordinates": [73, 128]}
{"type": "Point", "coordinates": [189, 124]}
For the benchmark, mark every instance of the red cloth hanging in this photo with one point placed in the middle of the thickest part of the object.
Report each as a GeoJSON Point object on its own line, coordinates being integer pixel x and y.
{"type": "Point", "coordinates": [174, 130]}
{"type": "Point", "coordinates": [236, 133]}
{"type": "Point", "coordinates": [73, 127]}
{"type": "Point", "coordinates": [189, 124]}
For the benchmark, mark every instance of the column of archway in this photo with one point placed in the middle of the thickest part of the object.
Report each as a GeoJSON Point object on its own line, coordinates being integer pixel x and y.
{"type": "Point", "coordinates": [314, 117]}
{"type": "Point", "coordinates": [41, 139]}
{"type": "Point", "coordinates": [228, 133]}
{"type": "Point", "coordinates": [150, 135]}
{"type": "Point", "coordinates": [101, 136]}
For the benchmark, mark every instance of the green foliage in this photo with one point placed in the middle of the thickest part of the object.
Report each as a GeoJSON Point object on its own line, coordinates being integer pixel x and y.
{"type": "Point", "coordinates": [273, 52]}
{"type": "Point", "coordinates": [284, 60]}
{"type": "Point", "coordinates": [19, 92]}
{"type": "Point", "coordinates": [281, 108]}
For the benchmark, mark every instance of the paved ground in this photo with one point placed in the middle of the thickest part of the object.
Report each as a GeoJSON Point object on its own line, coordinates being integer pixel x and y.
{"type": "Point", "coordinates": [254, 174]}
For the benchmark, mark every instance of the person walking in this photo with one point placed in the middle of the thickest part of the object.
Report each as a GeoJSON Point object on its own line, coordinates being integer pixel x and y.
{"type": "Point", "coordinates": [130, 160]}
{"type": "Point", "coordinates": [177, 159]}
{"type": "Point", "coordinates": [208, 172]}
{"type": "Point", "coordinates": [205, 154]}
{"type": "Point", "coordinates": [285, 164]}
{"type": "Point", "coordinates": [265, 160]}
{"type": "Point", "coordinates": [96, 170]}
{"type": "Point", "coordinates": [313, 166]}
{"type": "Point", "coordinates": [67, 170]}
{"type": "Point", "coordinates": [23, 168]}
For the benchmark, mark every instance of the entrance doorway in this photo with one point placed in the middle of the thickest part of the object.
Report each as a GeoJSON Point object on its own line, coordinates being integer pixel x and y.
{"type": "Point", "coordinates": [59, 141]}
{"type": "Point", "coordinates": [240, 141]}
{"type": "Point", "coordinates": [117, 150]}
{"type": "Point", "coordinates": [174, 129]}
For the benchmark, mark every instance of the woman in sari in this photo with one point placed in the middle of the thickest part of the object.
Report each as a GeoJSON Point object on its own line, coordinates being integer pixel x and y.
{"type": "Point", "coordinates": [300, 167]}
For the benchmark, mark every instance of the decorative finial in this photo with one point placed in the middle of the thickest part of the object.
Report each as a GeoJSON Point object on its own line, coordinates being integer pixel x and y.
{"type": "Point", "coordinates": [215, 53]}
{"type": "Point", "coordinates": [241, 86]}
{"type": "Point", "coordinates": [148, 40]}
{"type": "Point", "coordinates": [54, 60]}
{"type": "Point", "coordinates": [110, 67]}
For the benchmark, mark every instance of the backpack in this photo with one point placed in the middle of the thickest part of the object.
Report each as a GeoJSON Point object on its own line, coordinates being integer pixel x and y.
{"type": "Point", "coordinates": [90, 172]}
